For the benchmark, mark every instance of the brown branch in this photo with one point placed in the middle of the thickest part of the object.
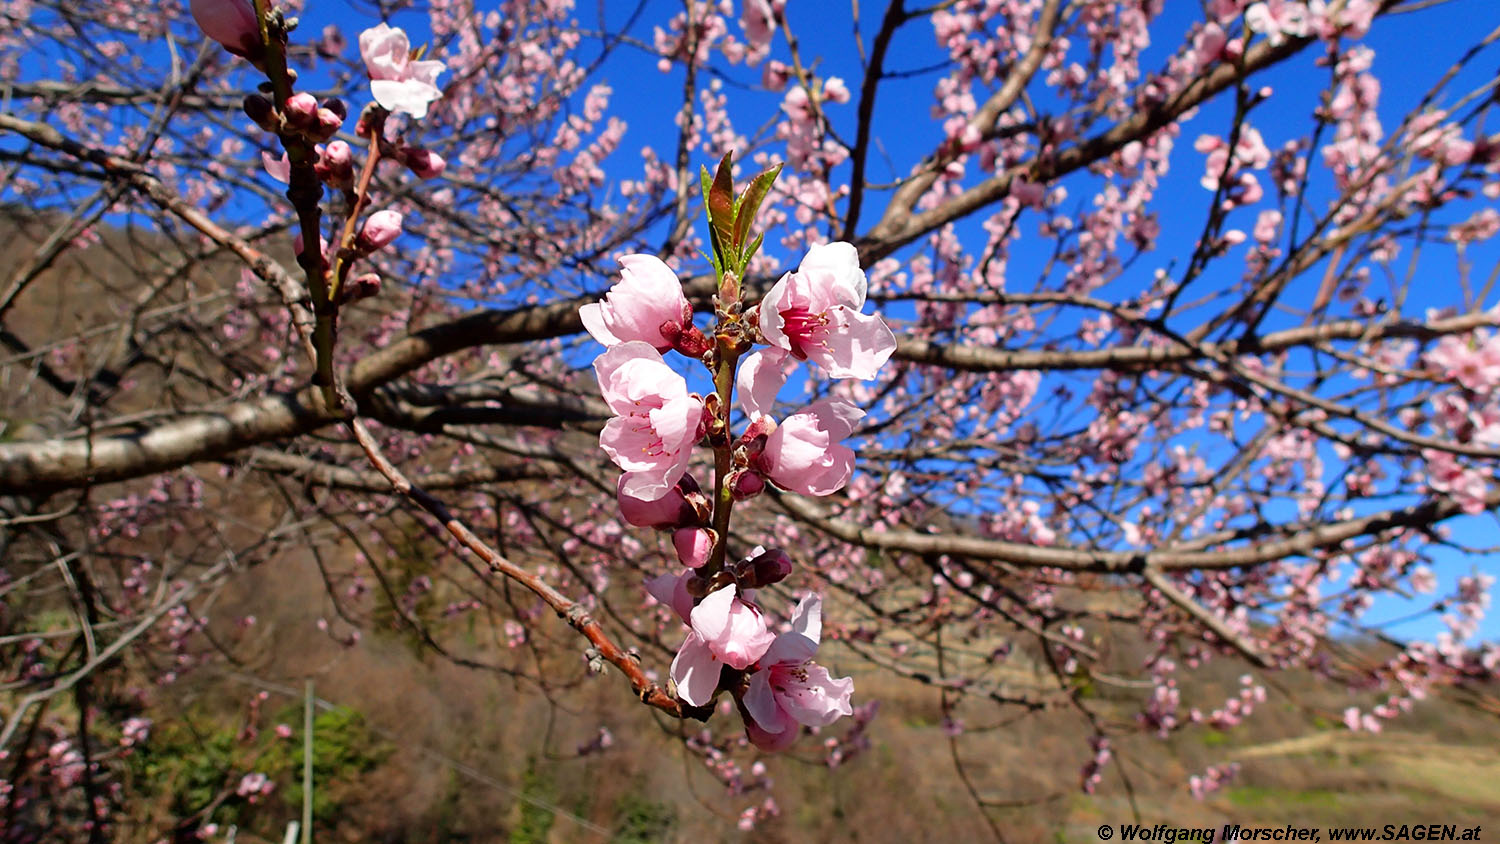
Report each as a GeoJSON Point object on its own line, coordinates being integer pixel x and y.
{"type": "Point", "coordinates": [1313, 538]}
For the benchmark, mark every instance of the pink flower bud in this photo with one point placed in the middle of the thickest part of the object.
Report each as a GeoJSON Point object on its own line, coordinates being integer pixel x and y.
{"type": "Point", "coordinates": [745, 484]}
{"type": "Point", "coordinates": [302, 110]}
{"type": "Point", "coordinates": [380, 229]}
{"type": "Point", "coordinates": [764, 569]}
{"type": "Point", "coordinates": [365, 286]}
{"type": "Point", "coordinates": [328, 124]}
{"type": "Point", "coordinates": [694, 545]}
{"type": "Point", "coordinates": [232, 23]}
{"type": "Point", "coordinates": [338, 156]}
{"type": "Point", "coordinates": [424, 164]}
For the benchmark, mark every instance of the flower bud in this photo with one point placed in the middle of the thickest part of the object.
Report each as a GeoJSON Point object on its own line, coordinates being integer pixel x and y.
{"type": "Point", "coordinates": [339, 156]}
{"type": "Point", "coordinates": [773, 566]}
{"type": "Point", "coordinates": [335, 165]}
{"type": "Point", "coordinates": [666, 513]}
{"type": "Point", "coordinates": [745, 483]}
{"type": "Point", "coordinates": [361, 287]}
{"type": "Point", "coordinates": [328, 124]}
{"type": "Point", "coordinates": [694, 545]}
{"type": "Point", "coordinates": [302, 110]}
{"type": "Point", "coordinates": [424, 164]}
{"type": "Point", "coordinates": [232, 23]}
{"type": "Point", "coordinates": [260, 110]}
{"type": "Point", "coordinates": [336, 105]}
{"type": "Point", "coordinates": [379, 230]}
{"type": "Point", "coordinates": [691, 342]}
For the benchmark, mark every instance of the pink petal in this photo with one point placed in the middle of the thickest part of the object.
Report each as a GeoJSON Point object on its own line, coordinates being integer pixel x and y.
{"type": "Point", "coordinates": [770, 742]}
{"type": "Point", "coordinates": [409, 96]}
{"type": "Point", "coordinates": [818, 700]}
{"type": "Point", "coordinates": [664, 512]}
{"type": "Point", "coordinates": [385, 50]}
{"type": "Point", "coordinates": [770, 313]}
{"type": "Point", "coordinates": [279, 169]}
{"type": "Point", "coordinates": [835, 266]}
{"type": "Point", "coordinates": [593, 322]}
{"type": "Point", "coordinates": [694, 545]}
{"type": "Point", "coordinates": [710, 618]}
{"type": "Point", "coordinates": [801, 643]}
{"type": "Point", "coordinates": [695, 671]}
{"type": "Point", "coordinates": [855, 345]}
{"type": "Point", "coordinates": [671, 589]}
{"type": "Point", "coordinates": [228, 22]}
{"type": "Point", "coordinates": [761, 377]}
{"type": "Point", "coordinates": [760, 703]}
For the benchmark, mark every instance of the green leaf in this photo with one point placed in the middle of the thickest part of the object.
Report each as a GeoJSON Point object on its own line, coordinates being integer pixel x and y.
{"type": "Point", "coordinates": [749, 204]}
{"type": "Point", "coordinates": [721, 208]}
{"type": "Point", "coordinates": [706, 181]}
{"type": "Point", "coordinates": [749, 254]}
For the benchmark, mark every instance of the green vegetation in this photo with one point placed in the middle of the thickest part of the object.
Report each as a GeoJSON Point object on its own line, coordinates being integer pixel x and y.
{"type": "Point", "coordinates": [536, 821]}
{"type": "Point", "coordinates": [343, 750]}
{"type": "Point", "coordinates": [643, 821]}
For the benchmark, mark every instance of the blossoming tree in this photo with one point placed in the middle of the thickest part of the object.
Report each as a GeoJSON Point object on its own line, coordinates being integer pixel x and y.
{"type": "Point", "coordinates": [1029, 387]}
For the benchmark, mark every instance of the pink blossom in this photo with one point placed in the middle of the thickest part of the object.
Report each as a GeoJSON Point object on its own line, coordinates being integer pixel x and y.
{"type": "Point", "coordinates": [835, 90]}
{"type": "Point", "coordinates": [398, 83]}
{"type": "Point", "coordinates": [803, 454]}
{"type": "Point", "coordinates": [1472, 362]}
{"type": "Point", "coordinates": [652, 435]}
{"type": "Point", "coordinates": [791, 689]}
{"type": "Point", "coordinates": [647, 297]}
{"type": "Point", "coordinates": [1277, 19]}
{"type": "Point", "coordinates": [814, 314]}
{"type": "Point", "coordinates": [232, 23]}
{"type": "Point", "coordinates": [726, 631]}
{"type": "Point", "coordinates": [254, 785]}
{"type": "Point", "coordinates": [759, 22]}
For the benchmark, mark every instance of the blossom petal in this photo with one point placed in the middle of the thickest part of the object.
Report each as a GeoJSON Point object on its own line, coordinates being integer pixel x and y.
{"type": "Point", "coordinates": [671, 589]}
{"type": "Point", "coordinates": [593, 322]}
{"type": "Point", "coordinates": [837, 267]}
{"type": "Point", "coordinates": [800, 644]}
{"type": "Point", "coordinates": [819, 699]}
{"type": "Point", "coordinates": [770, 742]}
{"type": "Point", "coordinates": [407, 95]}
{"type": "Point", "coordinates": [711, 617]}
{"type": "Point", "coordinates": [855, 345]}
{"type": "Point", "coordinates": [695, 671]}
{"type": "Point", "coordinates": [385, 50]}
{"type": "Point", "coordinates": [760, 703]}
{"type": "Point", "coordinates": [761, 377]}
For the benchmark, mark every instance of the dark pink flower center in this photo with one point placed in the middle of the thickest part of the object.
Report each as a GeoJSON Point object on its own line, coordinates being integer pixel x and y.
{"type": "Point", "coordinates": [803, 328]}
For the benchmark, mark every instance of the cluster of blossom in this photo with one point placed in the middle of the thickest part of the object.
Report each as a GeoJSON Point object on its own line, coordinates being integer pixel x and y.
{"type": "Point", "coordinates": [1213, 778]}
{"type": "Point", "coordinates": [400, 84]}
{"type": "Point", "coordinates": [812, 314]}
